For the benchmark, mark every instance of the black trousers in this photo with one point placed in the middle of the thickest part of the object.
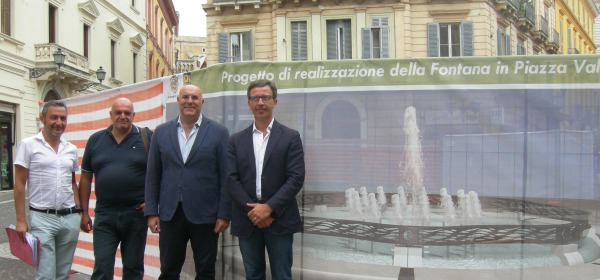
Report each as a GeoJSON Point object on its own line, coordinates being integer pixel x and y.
{"type": "Point", "coordinates": [173, 239]}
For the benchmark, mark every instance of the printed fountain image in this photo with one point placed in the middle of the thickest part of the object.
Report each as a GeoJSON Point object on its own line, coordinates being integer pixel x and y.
{"type": "Point", "coordinates": [374, 230]}
{"type": "Point", "coordinates": [411, 228]}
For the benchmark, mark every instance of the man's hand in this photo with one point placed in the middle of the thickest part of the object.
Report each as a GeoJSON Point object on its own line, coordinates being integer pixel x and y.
{"type": "Point", "coordinates": [260, 215]}
{"type": "Point", "coordinates": [141, 207]}
{"type": "Point", "coordinates": [21, 229]}
{"type": "Point", "coordinates": [265, 223]}
{"type": "Point", "coordinates": [221, 225]}
{"type": "Point", "coordinates": [86, 223]}
{"type": "Point", "coordinates": [154, 224]}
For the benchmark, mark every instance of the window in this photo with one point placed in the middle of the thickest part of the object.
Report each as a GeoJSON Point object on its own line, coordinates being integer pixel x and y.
{"type": "Point", "coordinates": [376, 39]}
{"type": "Point", "coordinates": [570, 48]}
{"type": "Point", "coordinates": [340, 120]}
{"type": "Point", "coordinates": [157, 65]}
{"type": "Point", "coordinates": [160, 38]}
{"type": "Point", "coordinates": [51, 24]}
{"type": "Point", "coordinates": [450, 39]}
{"type": "Point", "coordinates": [521, 50]}
{"type": "Point", "coordinates": [164, 40]}
{"type": "Point", "coordinates": [134, 67]}
{"type": "Point", "coordinates": [503, 41]}
{"type": "Point", "coordinates": [235, 46]}
{"type": "Point", "coordinates": [113, 58]}
{"type": "Point", "coordinates": [299, 41]}
{"type": "Point", "coordinates": [155, 27]}
{"type": "Point", "coordinates": [86, 41]}
{"type": "Point", "coordinates": [5, 16]}
{"type": "Point", "coordinates": [339, 39]}
{"type": "Point", "coordinates": [150, 72]}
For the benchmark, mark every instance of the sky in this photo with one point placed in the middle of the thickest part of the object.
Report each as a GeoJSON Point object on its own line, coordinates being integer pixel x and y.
{"type": "Point", "coordinates": [192, 19]}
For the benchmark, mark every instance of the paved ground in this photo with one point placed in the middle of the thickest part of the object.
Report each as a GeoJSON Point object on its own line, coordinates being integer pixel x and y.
{"type": "Point", "coordinates": [10, 267]}
{"type": "Point", "coordinates": [13, 269]}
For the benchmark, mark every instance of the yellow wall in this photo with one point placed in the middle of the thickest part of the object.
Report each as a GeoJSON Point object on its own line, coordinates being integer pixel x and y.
{"type": "Point", "coordinates": [577, 16]}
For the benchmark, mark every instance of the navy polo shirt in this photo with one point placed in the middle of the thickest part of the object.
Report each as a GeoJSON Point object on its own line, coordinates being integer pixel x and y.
{"type": "Point", "coordinates": [119, 169]}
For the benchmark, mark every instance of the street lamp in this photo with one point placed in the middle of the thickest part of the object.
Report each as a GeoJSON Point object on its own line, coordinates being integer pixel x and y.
{"type": "Point", "coordinates": [59, 59]}
{"type": "Point", "coordinates": [100, 75]}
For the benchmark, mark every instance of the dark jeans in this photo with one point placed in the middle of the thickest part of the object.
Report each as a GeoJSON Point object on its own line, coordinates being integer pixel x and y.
{"type": "Point", "coordinates": [127, 227]}
{"type": "Point", "coordinates": [279, 248]}
{"type": "Point", "coordinates": [174, 236]}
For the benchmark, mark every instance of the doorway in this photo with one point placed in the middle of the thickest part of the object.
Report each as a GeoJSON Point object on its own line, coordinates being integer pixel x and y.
{"type": "Point", "coordinates": [6, 156]}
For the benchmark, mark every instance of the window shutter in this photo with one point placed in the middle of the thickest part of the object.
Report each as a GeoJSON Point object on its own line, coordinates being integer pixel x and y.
{"type": "Point", "coordinates": [366, 43]}
{"type": "Point", "coordinates": [433, 40]}
{"type": "Point", "coordinates": [385, 42]}
{"type": "Point", "coordinates": [331, 40]}
{"type": "Point", "coordinates": [499, 38]}
{"type": "Point", "coordinates": [508, 44]}
{"type": "Point", "coordinates": [303, 42]}
{"type": "Point", "coordinates": [569, 41]}
{"type": "Point", "coordinates": [347, 27]}
{"type": "Point", "coordinates": [467, 38]}
{"type": "Point", "coordinates": [223, 44]}
{"type": "Point", "coordinates": [299, 41]}
{"type": "Point", "coordinates": [250, 43]}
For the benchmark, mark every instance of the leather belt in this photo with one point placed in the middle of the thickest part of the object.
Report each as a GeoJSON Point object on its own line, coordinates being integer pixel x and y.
{"type": "Point", "coordinates": [60, 212]}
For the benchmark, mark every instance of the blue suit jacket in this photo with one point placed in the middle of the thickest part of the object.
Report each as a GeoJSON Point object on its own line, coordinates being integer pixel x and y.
{"type": "Point", "coordinates": [282, 179]}
{"type": "Point", "coordinates": [199, 181]}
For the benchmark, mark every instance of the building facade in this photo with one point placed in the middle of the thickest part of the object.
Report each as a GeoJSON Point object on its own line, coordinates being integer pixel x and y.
{"type": "Point", "coordinates": [190, 53]}
{"type": "Point", "coordinates": [597, 27]}
{"type": "Point", "coordinates": [88, 34]}
{"type": "Point", "coordinates": [575, 24]}
{"type": "Point", "coordinates": [279, 30]}
{"type": "Point", "coordinates": [161, 23]}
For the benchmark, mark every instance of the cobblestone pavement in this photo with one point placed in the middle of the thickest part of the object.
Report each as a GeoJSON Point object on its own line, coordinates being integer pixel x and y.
{"type": "Point", "coordinates": [12, 268]}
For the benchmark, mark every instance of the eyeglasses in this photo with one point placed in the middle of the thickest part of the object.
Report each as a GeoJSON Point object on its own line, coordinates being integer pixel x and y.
{"type": "Point", "coordinates": [263, 98]}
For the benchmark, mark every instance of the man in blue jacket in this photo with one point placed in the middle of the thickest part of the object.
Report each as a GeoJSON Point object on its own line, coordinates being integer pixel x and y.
{"type": "Point", "coordinates": [266, 172]}
{"type": "Point", "coordinates": [185, 197]}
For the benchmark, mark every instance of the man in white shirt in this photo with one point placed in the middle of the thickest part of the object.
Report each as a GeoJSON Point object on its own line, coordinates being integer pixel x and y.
{"type": "Point", "coordinates": [46, 163]}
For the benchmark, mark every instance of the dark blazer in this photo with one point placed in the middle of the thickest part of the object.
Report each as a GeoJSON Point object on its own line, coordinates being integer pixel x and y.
{"type": "Point", "coordinates": [199, 182]}
{"type": "Point", "coordinates": [282, 179]}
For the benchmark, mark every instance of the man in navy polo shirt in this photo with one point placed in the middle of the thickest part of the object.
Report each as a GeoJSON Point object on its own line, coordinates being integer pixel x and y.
{"type": "Point", "coordinates": [117, 157]}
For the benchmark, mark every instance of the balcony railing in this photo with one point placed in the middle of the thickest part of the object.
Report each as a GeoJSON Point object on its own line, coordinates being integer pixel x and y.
{"type": "Point", "coordinates": [553, 43]}
{"type": "Point", "coordinates": [508, 8]}
{"type": "Point", "coordinates": [526, 18]}
{"type": "Point", "coordinates": [540, 35]}
{"type": "Point", "coordinates": [543, 26]}
{"type": "Point", "coordinates": [75, 64]}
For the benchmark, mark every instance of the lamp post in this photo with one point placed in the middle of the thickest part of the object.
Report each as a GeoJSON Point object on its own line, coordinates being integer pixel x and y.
{"type": "Point", "coordinates": [59, 59]}
{"type": "Point", "coordinates": [100, 75]}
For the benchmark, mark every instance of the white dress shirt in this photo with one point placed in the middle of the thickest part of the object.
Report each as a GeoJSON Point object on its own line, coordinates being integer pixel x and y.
{"type": "Point", "coordinates": [260, 146]}
{"type": "Point", "coordinates": [186, 142]}
{"type": "Point", "coordinates": [49, 185]}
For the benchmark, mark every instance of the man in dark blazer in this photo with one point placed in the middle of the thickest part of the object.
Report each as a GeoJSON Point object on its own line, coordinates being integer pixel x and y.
{"type": "Point", "coordinates": [266, 172]}
{"type": "Point", "coordinates": [185, 194]}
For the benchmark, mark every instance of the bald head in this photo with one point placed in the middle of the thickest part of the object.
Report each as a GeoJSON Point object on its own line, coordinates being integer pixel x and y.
{"type": "Point", "coordinates": [190, 104]}
{"type": "Point", "coordinates": [121, 115]}
{"type": "Point", "coordinates": [122, 101]}
{"type": "Point", "coordinates": [190, 88]}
